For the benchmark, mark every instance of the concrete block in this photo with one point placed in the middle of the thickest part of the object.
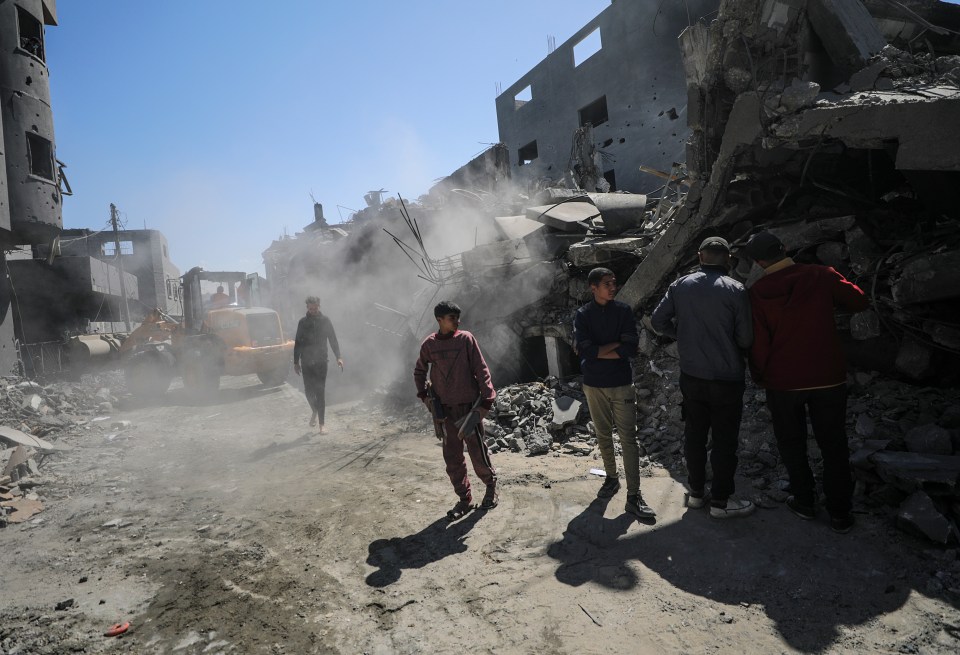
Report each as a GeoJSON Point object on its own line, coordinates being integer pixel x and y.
{"type": "Point", "coordinates": [596, 252]}
{"type": "Point", "coordinates": [918, 513]}
{"type": "Point", "coordinates": [914, 359]}
{"type": "Point", "coordinates": [620, 211]}
{"type": "Point", "coordinates": [566, 217]}
{"type": "Point", "coordinates": [565, 412]}
{"type": "Point", "coordinates": [848, 32]}
{"type": "Point", "coordinates": [865, 325]}
{"type": "Point", "coordinates": [799, 95]}
{"type": "Point", "coordinates": [805, 233]}
{"type": "Point", "coordinates": [498, 253]}
{"type": "Point", "coordinates": [909, 471]}
{"type": "Point", "coordinates": [930, 278]}
{"type": "Point", "coordinates": [516, 227]}
{"type": "Point", "coordinates": [33, 402]}
{"type": "Point", "coordinates": [929, 439]}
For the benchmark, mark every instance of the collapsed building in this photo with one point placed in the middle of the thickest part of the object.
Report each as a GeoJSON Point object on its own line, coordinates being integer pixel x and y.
{"type": "Point", "coordinates": [832, 124]}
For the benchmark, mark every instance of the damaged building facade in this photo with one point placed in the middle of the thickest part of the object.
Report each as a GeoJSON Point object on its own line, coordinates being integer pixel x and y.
{"type": "Point", "coordinates": [832, 124]}
{"type": "Point", "coordinates": [31, 198]}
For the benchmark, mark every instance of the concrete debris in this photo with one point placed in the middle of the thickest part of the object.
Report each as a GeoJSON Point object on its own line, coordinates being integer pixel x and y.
{"type": "Point", "coordinates": [918, 513]}
{"type": "Point", "coordinates": [930, 439]}
{"type": "Point", "coordinates": [571, 216]}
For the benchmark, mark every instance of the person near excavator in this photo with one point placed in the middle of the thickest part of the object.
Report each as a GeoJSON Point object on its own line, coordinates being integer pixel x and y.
{"type": "Point", "coordinates": [453, 381]}
{"type": "Point", "coordinates": [798, 357]}
{"type": "Point", "coordinates": [314, 331]}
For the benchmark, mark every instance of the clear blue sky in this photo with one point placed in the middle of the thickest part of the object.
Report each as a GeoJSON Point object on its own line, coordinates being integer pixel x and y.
{"type": "Point", "coordinates": [214, 120]}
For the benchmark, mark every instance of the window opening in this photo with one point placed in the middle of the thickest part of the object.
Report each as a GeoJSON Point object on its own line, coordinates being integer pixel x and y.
{"type": "Point", "coordinates": [587, 47]}
{"type": "Point", "coordinates": [611, 177]}
{"type": "Point", "coordinates": [528, 153]}
{"type": "Point", "coordinates": [31, 33]}
{"type": "Point", "coordinates": [522, 98]}
{"type": "Point", "coordinates": [109, 248]}
{"type": "Point", "coordinates": [595, 113]}
{"type": "Point", "coordinates": [40, 154]}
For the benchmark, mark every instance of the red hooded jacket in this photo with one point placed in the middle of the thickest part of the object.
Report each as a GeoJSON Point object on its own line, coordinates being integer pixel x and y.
{"type": "Point", "coordinates": [796, 344]}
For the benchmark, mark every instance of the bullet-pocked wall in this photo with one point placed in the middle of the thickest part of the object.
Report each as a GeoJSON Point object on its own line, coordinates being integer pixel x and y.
{"type": "Point", "coordinates": [622, 73]}
{"type": "Point", "coordinates": [30, 199]}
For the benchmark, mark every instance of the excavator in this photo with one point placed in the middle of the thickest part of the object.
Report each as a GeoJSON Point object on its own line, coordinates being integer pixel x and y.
{"type": "Point", "coordinates": [226, 335]}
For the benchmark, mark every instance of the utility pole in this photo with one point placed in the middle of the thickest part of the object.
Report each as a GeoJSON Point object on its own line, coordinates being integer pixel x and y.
{"type": "Point", "coordinates": [123, 283]}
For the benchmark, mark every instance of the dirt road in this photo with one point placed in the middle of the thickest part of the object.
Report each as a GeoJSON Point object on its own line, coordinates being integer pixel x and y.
{"type": "Point", "coordinates": [236, 529]}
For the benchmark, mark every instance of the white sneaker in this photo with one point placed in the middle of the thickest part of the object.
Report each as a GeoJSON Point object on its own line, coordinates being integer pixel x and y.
{"type": "Point", "coordinates": [732, 509]}
{"type": "Point", "coordinates": [695, 502]}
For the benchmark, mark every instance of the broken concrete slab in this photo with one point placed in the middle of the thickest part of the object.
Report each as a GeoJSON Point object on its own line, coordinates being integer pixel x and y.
{"type": "Point", "coordinates": [498, 253]}
{"type": "Point", "coordinates": [918, 513]}
{"type": "Point", "coordinates": [861, 457]}
{"type": "Point", "coordinates": [33, 402]}
{"type": "Point", "coordinates": [847, 30]}
{"type": "Point", "coordinates": [909, 471]}
{"type": "Point", "coordinates": [915, 359]}
{"type": "Point", "coordinates": [866, 78]}
{"type": "Point", "coordinates": [516, 227]}
{"type": "Point", "coordinates": [620, 211]}
{"type": "Point", "coordinates": [569, 216]}
{"type": "Point", "coordinates": [595, 252]}
{"type": "Point", "coordinates": [931, 439]}
{"type": "Point", "coordinates": [565, 412]}
{"type": "Point", "coordinates": [929, 278]}
{"type": "Point", "coordinates": [16, 437]}
{"type": "Point", "coordinates": [18, 458]}
{"type": "Point", "coordinates": [799, 94]}
{"type": "Point", "coordinates": [805, 233]}
{"type": "Point", "coordinates": [550, 244]}
{"type": "Point", "coordinates": [22, 509]}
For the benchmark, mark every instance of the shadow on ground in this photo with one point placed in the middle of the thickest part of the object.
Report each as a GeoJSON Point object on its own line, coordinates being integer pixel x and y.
{"type": "Point", "coordinates": [438, 540]}
{"type": "Point", "coordinates": [807, 579]}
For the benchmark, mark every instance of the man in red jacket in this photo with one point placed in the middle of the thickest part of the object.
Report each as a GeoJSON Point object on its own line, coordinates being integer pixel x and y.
{"type": "Point", "coordinates": [452, 370]}
{"type": "Point", "coordinates": [798, 357]}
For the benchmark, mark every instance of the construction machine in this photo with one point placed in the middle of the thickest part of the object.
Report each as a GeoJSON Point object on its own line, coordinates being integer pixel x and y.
{"type": "Point", "coordinates": [223, 335]}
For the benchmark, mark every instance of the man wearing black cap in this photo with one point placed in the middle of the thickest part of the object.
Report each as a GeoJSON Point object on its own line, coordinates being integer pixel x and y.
{"type": "Point", "coordinates": [708, 313]}
{"type": "Point", "coordinates": [798, 357]}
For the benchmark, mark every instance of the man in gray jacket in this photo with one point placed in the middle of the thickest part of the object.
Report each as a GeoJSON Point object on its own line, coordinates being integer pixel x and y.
{"type": "Point", "coordinates": [708, 314]}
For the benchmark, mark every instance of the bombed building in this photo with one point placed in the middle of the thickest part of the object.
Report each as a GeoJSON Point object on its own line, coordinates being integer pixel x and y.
{"type": "Point", "coordinates": [30, 176]}
{"type": "Point", "coordinates": [832, 125]}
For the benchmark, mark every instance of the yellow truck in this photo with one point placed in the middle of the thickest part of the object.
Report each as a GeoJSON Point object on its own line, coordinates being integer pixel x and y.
{"type": "Point", "coordinates": [230, 338]}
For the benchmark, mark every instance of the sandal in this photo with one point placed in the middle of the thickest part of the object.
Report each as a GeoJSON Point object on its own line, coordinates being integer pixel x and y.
{"type": "Point", "coordinates": [490, 499]}
{"type": "Point", "coordinates": [461, 509]}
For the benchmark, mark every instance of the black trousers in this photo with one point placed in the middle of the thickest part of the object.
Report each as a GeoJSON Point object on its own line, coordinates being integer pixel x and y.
{"type": "Point", "coordinates": [711, 406]}
{"type": "Point", "coordinates": [828, 415]}
{"type": "Point", "coordinates": [314, 386]}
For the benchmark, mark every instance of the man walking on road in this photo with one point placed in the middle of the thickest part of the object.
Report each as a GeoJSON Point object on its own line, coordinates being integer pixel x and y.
{"type": "Point", "coordinates": [798, 357]}
{"type": "Point", "coordinates": [314, 331]}
{"type": "Point", "coordinates": [605, 335]}
{"type": "Point", "coordinates": [453, 381]}
{"type": "Point", "coordinates": [708, 314]}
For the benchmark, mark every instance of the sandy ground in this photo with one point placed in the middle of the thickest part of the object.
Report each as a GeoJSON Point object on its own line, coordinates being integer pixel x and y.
{"type": "Point", "coordinates": [243, 531]}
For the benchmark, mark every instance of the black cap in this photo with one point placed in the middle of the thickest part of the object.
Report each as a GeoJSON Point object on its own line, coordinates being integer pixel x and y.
{"type": "Point", "coordinates": [715, 243]}
{"type": "Point", "coordinates": [764, 246]}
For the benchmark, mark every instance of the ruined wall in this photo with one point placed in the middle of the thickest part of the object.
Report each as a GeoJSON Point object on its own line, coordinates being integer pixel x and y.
{"type": "Point", "coordinates": [639, 73]}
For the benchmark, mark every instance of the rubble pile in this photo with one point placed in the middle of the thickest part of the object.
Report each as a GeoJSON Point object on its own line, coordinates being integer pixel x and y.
{"type": "Point", "coordinates": [539, 417]}
{"type": "Point", "coordinates": [32, 418]}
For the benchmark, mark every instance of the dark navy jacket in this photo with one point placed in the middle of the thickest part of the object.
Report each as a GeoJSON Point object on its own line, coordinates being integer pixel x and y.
{"type": "Point", "coordinates": [708, 314]}
{"type": "Point", "coordinates": [596, 325]}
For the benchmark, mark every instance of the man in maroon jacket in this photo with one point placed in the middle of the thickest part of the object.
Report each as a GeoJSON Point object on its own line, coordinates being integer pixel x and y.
{"type": "Point", "coordinates": [798, 357]}
{"type": "Point", "coordinates": [451, 368]}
